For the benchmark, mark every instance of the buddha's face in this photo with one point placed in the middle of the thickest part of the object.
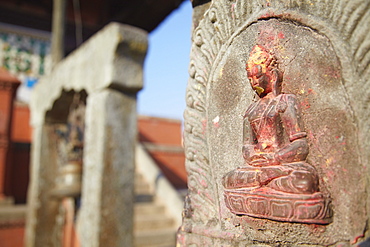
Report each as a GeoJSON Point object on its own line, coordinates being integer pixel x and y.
{"type": "Point", "coordinates": [259, 73]}
{"type": "Point", "coordinates": [260, 81]}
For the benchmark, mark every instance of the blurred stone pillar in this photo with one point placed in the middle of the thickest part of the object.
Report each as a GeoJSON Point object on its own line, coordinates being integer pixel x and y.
{"type": "Point", "coordinates": [8, 87]}
{"type": "Point", "coordinates": [108, 68]}
{"type": "Point", "coordinates": [108, 170]}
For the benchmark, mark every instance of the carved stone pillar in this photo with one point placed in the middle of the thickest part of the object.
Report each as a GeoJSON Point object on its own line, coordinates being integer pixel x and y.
{"type": "Point", "coordinates": [108, 69]}
{"type": "Point", "coordinates": [276, 125]}
{"type": "Point", "coordinates": [8, 86]}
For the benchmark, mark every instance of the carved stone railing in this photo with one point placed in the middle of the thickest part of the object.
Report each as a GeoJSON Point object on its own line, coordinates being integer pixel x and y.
{"type": "Point", "coordinates": [107, 72]}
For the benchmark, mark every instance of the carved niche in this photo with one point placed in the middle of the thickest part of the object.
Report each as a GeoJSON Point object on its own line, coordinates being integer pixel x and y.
{"type": "Point", "coordinates": [320, 51]}
{"type": "Point", "coordinates": [70, 149]}
{"type": "Point", "coordinates": [275, 182]}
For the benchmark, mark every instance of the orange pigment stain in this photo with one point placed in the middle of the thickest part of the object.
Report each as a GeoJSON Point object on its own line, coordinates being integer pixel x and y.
{"type": "Point", "coordinates": [357, 238]}
{"type": "Point", "coordinates": [204, 125]}
{"type": "Point", "coordinates": [311, 91]}
{"type": "Point", "coordinates": [305, 104]}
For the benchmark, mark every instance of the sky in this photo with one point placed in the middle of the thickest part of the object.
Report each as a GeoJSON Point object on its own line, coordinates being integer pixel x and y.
{"type": "Point", "coordinates": [166, 66]}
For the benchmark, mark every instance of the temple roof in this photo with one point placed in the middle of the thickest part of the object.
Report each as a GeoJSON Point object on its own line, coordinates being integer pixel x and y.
{"type": "Point", "coordinates": [37, 14]}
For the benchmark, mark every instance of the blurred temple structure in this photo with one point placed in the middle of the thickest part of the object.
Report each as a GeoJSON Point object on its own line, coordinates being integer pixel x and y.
{"type": "Point", "coordinates": [77, 166]}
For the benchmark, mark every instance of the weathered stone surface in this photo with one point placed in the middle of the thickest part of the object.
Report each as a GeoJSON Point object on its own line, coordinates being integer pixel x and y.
{"type": "Point", "coordinates": [199, 7]}
{"type": "Point", "coordinates": [322, 48]}
{"type": "Point", "coordinates": [108, 177]}
{"type": "Point", "coordinates": [99, 63]}
{"type": "Point", "coordinates": [42, 211]}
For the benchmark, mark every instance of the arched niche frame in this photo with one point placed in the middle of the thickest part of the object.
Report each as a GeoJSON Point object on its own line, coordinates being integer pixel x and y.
{"type": "Point", "coordinates": [320, 68]}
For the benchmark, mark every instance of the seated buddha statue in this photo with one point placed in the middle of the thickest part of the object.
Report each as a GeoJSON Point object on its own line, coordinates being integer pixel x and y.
{"type": "Point", "coordinates": [275, 149]}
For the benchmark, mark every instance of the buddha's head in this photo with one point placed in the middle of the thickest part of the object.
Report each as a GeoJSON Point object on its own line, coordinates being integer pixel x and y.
{"type": "Point", "coordinates": [262, 71]}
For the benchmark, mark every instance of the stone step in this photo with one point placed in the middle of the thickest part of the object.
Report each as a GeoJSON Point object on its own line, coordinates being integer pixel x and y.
{"type": "Point", "coordinates": [142, 188]}
{"type": "Point", "coordinates": [148, 208]}
{"type": "Point", "coordinates": [152, 222]}
{"type": "Point", "coordinates": [155, 238]}
{"type": "Point", "coordinates": [141, 198]}
{"type": "Point", "coordinates": [141, 185]}
{"type": "Point", "coordinates": [139, 178]}
{"type": "Point", "coordinates": [152, 228]}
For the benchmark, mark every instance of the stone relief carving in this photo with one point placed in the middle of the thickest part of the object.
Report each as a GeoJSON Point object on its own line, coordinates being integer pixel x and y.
{"type": "Point", "coordinates": [276, 182]}
{"type": "Point", "coordinates": [342, 23]}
